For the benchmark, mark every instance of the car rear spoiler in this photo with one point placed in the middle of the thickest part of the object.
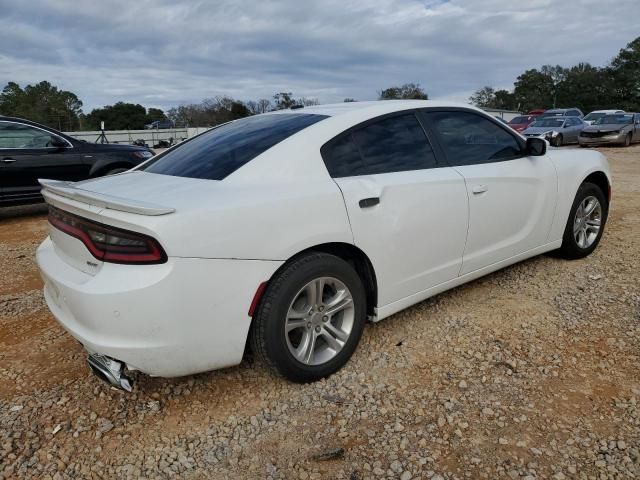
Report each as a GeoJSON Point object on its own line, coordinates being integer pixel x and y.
{"type": "Point", "coordinates": [70, 190]}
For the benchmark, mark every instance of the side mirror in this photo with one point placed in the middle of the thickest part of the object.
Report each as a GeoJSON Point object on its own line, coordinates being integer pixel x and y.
{"type": "Point", "coordinates": [536, 147]}
{"type": "Point", "coordinates": [57, 142]}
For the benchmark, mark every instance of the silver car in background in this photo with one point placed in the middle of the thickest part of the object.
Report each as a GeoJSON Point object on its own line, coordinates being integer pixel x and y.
{"type": "Point", "coordinates": [616, 129]}
{"type": "Point", "coordinates": [557, 131]}
{"type": "Point", "coordinates": [598, 114]}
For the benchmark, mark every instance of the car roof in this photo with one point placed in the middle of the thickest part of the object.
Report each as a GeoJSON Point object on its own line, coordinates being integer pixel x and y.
{"type": "Point", "coordinates": [561, 117]}
{"type": "Point", "coordinates": [376, 107]}
{"type": "Point", "coordinates": [25, 121]}
{"type": "Point", "coordinates": [608, 111]}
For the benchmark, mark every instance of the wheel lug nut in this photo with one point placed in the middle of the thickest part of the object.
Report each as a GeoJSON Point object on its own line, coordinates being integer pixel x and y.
{"type": "Point", "coordinates": [317, 329]}
{"type": "Point", "coordinates": [321, 308]}
{"type": "Point", "coordinates": [325, 318]}
{"type": "Point", "coordinates": [309, 325]}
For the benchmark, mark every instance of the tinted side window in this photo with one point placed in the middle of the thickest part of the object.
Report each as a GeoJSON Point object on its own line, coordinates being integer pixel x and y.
{"type": "Point", "coordinates": [16, 135]}
{"type": "Point", "coordinates": [221, 151]}
{"type": "Point", "coordinates": [469, 138]}
{"type": "Point", "coordinates": [393, 144]}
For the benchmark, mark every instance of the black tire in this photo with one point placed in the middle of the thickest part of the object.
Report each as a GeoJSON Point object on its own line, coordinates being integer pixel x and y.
{"type": "Point", "coordinates": [570, 249]}
{"type": "Point", "coordinates": [557, 142]}
{"type": "Point", "coordinates": [116, 170]}
{"type": "Point", "coordinates": [268, 338]}
{"type": "Point", "coordinates": [627, 140]}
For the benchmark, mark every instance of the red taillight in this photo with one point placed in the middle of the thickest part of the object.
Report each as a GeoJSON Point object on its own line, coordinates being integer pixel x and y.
{"type": "Point", "coordinates": [106, 243]}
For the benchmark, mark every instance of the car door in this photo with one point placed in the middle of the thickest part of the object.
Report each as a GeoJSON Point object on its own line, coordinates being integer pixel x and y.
{"type": "Point", "coordinates": [28, 153]}
{"type": "Point", "coordinates": [512, 196]}
{"type": "Point", "coordinates": [408, 212]}
{"type": "Point", "coordinates": [574, 126]}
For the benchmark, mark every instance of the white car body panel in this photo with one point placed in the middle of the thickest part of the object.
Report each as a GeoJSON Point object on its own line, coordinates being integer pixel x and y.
{"type": "Point", "coordinates": [511, 209]}
{"type": "Point", "coordinates": [413, 242]}
{"type": "Point", "coordinates": [429, 233]}
{"type": "Point", "coordinates": [573, 167]}
{"type": "Point", "coordinates": [123, 312]}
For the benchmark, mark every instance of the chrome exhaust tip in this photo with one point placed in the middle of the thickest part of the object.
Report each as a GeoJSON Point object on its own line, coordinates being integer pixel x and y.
{"type": "Point", "coordinates": [110, 370]}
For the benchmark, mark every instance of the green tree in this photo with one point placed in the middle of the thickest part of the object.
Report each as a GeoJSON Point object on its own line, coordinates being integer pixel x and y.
{"type": "Point", "coordinates": [533, 89]}
{"type": "Point", "coordinates": [484, 97]}
{"type": "Point", "coordinates": [586, 87]}
{"type": "Point", "coordinates": [284, 100]}
{"type": "Point", "coordinates": [408, 91]}
{"type": "Point", "coordinates": [505, 100]}
{"type": "Point", "coordinates": [488, 97]}
{"type": "Point", "coordinates": [624, 72]}
{"type": "Point", "coordinates": [557, 75]}
{"type": "Point", "coordinates": [43, 103]}
{"type": "Point", "coordinates": [154, 114]}
{"type": "Point", "coordinates": [120, 116]}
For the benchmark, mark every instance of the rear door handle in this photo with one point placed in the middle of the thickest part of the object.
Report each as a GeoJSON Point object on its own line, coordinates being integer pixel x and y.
{"type": "Point", "coordinates": [479, 189]}
{"type": "Point", "coordinates": [8, 160]}
{"type": "Point", "coordinates": [369, 202]}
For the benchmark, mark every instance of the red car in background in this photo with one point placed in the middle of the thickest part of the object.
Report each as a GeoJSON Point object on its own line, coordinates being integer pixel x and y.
{"type": "Point", "coordinates": [536, 112]}
{"type": "Point", "coordinates": [522, 122]}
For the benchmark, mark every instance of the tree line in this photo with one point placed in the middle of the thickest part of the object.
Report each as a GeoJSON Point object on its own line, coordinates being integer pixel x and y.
{"type": "Point", "coordinates": [616, 85]}
{"type": "Point", "coordinates": [45, 103]}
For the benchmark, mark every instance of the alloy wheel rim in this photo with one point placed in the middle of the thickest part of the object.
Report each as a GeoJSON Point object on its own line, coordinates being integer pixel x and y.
{"type": "Point", "coordinates": [587, 222]}
{"type": "Point", "coordinates": [319, 321]}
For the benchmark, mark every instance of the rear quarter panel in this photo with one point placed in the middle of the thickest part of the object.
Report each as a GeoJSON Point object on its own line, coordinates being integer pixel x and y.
{"type": "Point", "coordinates": [573, 167]}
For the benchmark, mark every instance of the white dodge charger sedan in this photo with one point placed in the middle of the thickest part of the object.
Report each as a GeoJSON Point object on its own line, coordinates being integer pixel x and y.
{"type": "Point", "coordinates": [287, 231]}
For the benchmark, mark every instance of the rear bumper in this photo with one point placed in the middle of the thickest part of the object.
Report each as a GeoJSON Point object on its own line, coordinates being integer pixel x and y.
{"type": "Point", "coordinates": [615, 139]}
{"type": "Point", "coordinates": [182, 317]}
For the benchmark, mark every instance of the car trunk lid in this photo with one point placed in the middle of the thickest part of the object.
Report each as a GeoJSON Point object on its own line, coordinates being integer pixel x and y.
{"type": "Point", "coordinates": [133, 201]}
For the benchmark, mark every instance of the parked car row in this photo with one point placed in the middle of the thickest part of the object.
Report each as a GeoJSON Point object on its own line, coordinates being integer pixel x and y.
{"type": "Point", "coordinates": [562, 126]}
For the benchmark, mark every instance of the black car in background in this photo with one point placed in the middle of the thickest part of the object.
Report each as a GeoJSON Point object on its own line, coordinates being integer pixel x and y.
{"type": "Point", "coordinates": [29, 151]}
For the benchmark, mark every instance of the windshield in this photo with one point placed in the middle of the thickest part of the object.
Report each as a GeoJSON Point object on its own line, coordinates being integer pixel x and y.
{"type": "Point", "coordinates": [519, 120]}
{"type": "Point", "coordinates": [549, 122]}
{"type": "Point", "coordinates": [594, 116]}
{"type": "Point", "coordinates": [618, 119]}
{"type": "Point", "coordinates": [221, 151]}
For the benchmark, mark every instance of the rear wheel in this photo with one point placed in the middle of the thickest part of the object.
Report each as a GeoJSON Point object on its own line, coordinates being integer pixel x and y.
{"type": "Point", "coordinates": [586, 221]}
{"type": "Point", "coordinates": [310, 318]}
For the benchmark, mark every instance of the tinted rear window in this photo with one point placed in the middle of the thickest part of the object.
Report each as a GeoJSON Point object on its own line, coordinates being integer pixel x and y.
{"type": "Point", "coordinates": [220, 152]}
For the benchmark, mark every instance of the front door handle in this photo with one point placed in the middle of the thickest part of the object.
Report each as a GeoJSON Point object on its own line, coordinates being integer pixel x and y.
{"type": "Point", "coordinates": [479, 189]}
{"type": "Point", "coordinates": [8, 160]}
{"type": "Point", "coordinates": [369, 202]}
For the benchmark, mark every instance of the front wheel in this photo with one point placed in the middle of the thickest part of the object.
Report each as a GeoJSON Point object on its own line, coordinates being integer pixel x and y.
{"type": "Point", "coordinates": [586, 221]}
{"type": "Point", "coordinates": [311, 317]}
{"type": "Point", "coordinates": [627, 140]}
{"type": "Point", "coordinates": [557, 142]}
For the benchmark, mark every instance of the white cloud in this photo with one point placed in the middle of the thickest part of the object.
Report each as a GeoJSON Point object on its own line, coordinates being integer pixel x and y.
{"type": "Point", "coordinates": [164, 53]}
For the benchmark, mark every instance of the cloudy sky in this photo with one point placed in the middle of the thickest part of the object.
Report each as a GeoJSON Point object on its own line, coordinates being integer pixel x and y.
{"type": "Point", "coordinates": [166, 52]}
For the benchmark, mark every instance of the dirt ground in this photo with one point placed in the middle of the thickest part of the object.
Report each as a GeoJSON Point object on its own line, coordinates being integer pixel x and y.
{"type": "Point", "coordinates": [532, 372]}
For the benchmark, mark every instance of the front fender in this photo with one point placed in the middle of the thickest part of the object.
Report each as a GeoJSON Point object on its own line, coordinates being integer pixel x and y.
{"type": "Point", "coordinates": [573, 167]}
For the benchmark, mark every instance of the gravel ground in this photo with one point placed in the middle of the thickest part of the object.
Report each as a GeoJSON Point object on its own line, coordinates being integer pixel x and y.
{"type": "Point", "coordinates": [531, 372]}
